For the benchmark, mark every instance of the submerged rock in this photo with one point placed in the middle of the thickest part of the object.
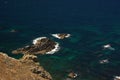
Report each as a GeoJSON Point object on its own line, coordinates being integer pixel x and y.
{"type": "Point", "coordinates": [42, 45]}
{"type": "Point", "coordinates": [61, 35]}
{"type": "Point", "coordinates": [13, 31]}
{"type": "Point", "coordinates": [24, 69]}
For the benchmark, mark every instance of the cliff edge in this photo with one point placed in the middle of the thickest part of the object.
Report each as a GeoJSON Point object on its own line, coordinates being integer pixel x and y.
{"type": "Point", "coordinates": [26, 68]}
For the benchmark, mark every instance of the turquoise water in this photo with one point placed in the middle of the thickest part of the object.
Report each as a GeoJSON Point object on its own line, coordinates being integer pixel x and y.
{"type": "Point", "coordinates": [80, 53]}
{"type": "Point", "coordinates": [92, 24]}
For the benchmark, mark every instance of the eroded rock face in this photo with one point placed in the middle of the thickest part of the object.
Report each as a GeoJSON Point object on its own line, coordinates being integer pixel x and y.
{"type": "Point", "coordinates": [42, 46]}
{"type": "Point", "coordinates": [27, 68]}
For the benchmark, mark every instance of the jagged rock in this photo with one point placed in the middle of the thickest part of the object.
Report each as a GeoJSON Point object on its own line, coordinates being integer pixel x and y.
{"type": "Point", "coordinates": [40, 46]}
{"type": "Point", "coordinates": [23, 69]}
{"type": "Point", "coordinates": [29, 58]}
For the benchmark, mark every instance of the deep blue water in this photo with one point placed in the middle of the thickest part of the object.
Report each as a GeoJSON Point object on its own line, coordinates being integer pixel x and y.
{"type": "Point", "coordinates": [92, 24]}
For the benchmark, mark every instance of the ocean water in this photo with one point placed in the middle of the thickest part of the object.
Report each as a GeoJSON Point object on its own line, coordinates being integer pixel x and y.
{"type": "Point", "coordinates": [91, 23]}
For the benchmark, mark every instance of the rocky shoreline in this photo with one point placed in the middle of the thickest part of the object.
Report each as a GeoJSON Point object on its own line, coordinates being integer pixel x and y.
{"type": "Point", "coordinates": [26, 68]}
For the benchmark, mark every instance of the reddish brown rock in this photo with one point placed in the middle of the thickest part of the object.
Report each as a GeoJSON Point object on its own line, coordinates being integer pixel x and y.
{"type": "Point", "coordinates": [27, 68]}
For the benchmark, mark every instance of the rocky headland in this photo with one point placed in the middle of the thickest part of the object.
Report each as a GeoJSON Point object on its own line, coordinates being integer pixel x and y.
{"type": "Point", "coordinates": [26, 68]}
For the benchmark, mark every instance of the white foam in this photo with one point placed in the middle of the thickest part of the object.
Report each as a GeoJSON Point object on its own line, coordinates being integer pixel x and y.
{"type": "Point", "coordinates": [104, 61]}
{"type": "Point", "coordinates": [108, 46]}
{"type": "Point", "coordinates": [56, 49]}
{"type": "Point", "coordinates": [68, 35]}
{"type": "Point", "coordinates": [75, 75]}
{"type": "Point", "coordinates": [36, 40]}
{"type": "Point", "coordinates": [117, 78]}
{"type": "Point", "coordinates": [56, 36]}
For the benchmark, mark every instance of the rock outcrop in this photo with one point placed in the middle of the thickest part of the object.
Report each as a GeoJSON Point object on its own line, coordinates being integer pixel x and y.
{"type": "Point", "coordinates": [26, 68]}
{"type": "Point", "coordinates": [40, 46]}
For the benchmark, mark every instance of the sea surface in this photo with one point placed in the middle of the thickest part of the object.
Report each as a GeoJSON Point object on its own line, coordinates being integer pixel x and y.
{"type": "Point", "coordinates": [91, 23]}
